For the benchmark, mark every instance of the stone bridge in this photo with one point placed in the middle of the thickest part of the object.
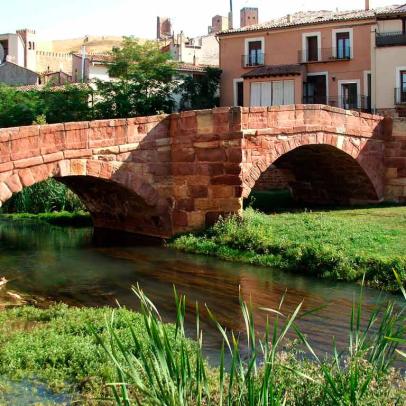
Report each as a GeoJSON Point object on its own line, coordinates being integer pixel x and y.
{"type": "Point", "coordinates": [163, 175]}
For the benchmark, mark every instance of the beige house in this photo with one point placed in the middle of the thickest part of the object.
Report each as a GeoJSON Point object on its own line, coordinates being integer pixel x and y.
{"type": "Point", "coordinates": [389, 62]}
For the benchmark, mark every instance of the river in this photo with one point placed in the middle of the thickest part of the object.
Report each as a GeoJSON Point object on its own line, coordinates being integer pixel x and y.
{"type": "Point", "coordinates": [65, 264]}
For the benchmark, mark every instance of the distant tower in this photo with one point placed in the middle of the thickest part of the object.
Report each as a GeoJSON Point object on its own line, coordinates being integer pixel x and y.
{"type": "Point", "coordinates": [164, 28]}
{"type": "Point", "coordinates": [29, 39]}
{"type": "Point", "coordinates": [218, 23]}
{"type": "Point", "coordinates": [248, 16]}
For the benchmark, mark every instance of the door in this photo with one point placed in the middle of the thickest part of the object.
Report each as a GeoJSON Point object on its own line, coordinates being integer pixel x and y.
{"type": "Point", "coordinates": [349, 94]}
{"type": "Point", "coordinates": [288, 92]}
{"type": "Point", "coordinates": [369, 85]}
{"type": "Point", "coordinates": [315, 90]}
{"type": "Point", "coordinates": [312, 49]}
{"type": "Point", "coordinates": [403, 86]}
{"type": "Point", "coordinates": [240, 94]}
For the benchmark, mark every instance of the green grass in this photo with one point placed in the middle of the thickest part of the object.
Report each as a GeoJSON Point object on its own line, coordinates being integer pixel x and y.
{"type": "Point", "coordinates": [64, 218]}
{"type": "Point", "coordinates": [58, 346]}
{"type": "Point", "coordinates": [340, 244]}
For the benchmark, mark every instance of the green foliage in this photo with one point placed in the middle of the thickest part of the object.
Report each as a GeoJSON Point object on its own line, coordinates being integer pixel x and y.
{"type": "Point", "coordinates": [341, 245]}
{"type": "Point", "coordinates": [201, 91]}
{"type": "Point", "coordinates": [143, 82]}
{"type": "Point", "coordinates": [18, 108]}
{"type": "Point", "coordinates": [61, 218]}
{"type": "Point", "coordinates": [44, 197]}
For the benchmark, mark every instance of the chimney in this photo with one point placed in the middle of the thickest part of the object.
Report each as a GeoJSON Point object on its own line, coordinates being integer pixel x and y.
{"type": "Point", "coordinates": [231, 16]}
{"type": "Point", "coordinates": [366, 5]}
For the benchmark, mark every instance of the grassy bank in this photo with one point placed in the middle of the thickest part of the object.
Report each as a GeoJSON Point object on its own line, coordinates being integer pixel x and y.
{"type": "Point", "coordinates": [81, 351]}
{"type": "Point", "coordinates": [341, 245]}
{"type": "Point", "coordinates": [63, 218]}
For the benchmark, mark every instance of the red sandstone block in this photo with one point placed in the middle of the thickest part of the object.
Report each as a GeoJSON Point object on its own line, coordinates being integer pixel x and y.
{"type": "Point", "coordinates": [40, 173]}
{"type": "Point", "coordinates": [7, 166]}
{"type": "Point", "coordinates": [185, 204]}
{"type": "Point", "coordinates": [76, 139]}
{"type": "Point", "coordinates": [211, 155]}
{"type": "Point", "coordinates": [26, 176]}
{"type": "Point", "coordinates": [14, 183]}
{"type": "Point", "coordinates": [4, 134]}
{"type": "Point", "coordinates": [182, 169]}
{"type": "Point", "coordinates": [5, 192]}
{"type": "Point", "coordinates": [101, 137]}
{"type": "Point", "coordinates": [232, 180]}
{"type": "Point", "coordinates": [198, 191]}
{"type": "Point", "coordinates": [25, 132]}
{"type": "Point", "coordinates": [179, 218]}
{"type": "Point", "coordinates": [219, 191]}
{"type": "Point", "coordinates": [101, 123]}
{"type": "Point", "coordinates": [25, 163]}
{"type": "Point", "coordinates": [51, 141]}
{"type": "Point", "coordinates": [24, 148]}
{"type": "Point", "coordinates": [209, 169]}
{"type": "Point", "coordinates": [183, 154]}
{"type": "Point", "coordinates": [77, 153]}
{"type": "Point", "coordinates": [120, 134]}
{"type": "Point", "coordinates": [51, 128]}
{"type": "Point", "coordinates": [76, 125]}
{"type": "Point", "coordinates": [5, 175]}
{"type": "Point", "coordinates": [78, 167]}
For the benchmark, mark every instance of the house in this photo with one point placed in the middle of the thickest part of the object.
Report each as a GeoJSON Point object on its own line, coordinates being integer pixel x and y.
{"type": "Point", "coordinates": [389, 62]}
{"type": "Point", "coordinates": [14, 75]}
{"type": "Point", "coordinates": [321, 57]}
{"type": "Point", "coordinates": [86, 68]}
{"type": "Point", "coordinates": [19, 48]}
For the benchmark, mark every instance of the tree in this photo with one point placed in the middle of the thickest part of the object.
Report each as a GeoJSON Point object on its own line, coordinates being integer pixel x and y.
{"type": "Point", "coordinates": [201, 92]}
{"type": "Point", "coordinates": [142, 81]}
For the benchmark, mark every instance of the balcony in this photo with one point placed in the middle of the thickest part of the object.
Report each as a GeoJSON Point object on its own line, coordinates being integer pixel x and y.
{"type": "Point", "coordinates": [400, 96]}
{"type": "Point", "coordinates": [253, 60]}
{"type": "Point", "coordinates": [326, 55]}
{"type": "Point", "coordinates": [359, 103]}
{"type": "Point", "coordinates": [390, 39]}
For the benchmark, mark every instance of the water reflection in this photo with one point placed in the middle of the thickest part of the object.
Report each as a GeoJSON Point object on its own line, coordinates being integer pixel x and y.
{"type": "Point", "coordinates": [63, 264]}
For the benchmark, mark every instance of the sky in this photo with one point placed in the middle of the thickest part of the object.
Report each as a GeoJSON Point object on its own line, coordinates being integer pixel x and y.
{"type": "Point", "coordinates": [53, 19]}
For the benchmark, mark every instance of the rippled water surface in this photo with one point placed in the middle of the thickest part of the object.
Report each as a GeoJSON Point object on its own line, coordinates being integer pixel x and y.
{"type": "Point", "coordinates": [64, 264]}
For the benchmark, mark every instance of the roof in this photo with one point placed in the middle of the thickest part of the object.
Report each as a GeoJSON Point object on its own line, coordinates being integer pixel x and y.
{"type": "Point", "coordinates": [274, 70]}
{"type": "Point", "coordinates": [189, 67]}
{"type": "Point", "coordinates": [394, 10]}
{"type": "Point", "coordinates": [302, 18]}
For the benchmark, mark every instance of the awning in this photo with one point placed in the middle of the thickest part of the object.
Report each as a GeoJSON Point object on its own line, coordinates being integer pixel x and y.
{"type": "Point", "coordinates": [275, 70]}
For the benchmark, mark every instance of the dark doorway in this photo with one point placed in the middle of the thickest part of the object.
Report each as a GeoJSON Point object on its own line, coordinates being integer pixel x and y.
{"type": "Point", "coordinates": [349, 93]}
{"type": "Point", "coordinates": [315, 90]}
{"type": "Point", "coordinates": [240, 94]}
{"type": "Point", "coordinates": [312, 49]}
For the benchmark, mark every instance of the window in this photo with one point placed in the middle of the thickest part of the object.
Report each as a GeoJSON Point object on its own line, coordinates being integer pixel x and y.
{"type": "Point", "coordinates": [312, 49]}
{"type": "Point", "coordinates": [349, 94]}
{"type": "Point", "coordinates": [274, 93]}
{"type": "Point", "coordinates": [29, 45]}
{"type": "Point", "coordinates": [343, 45]}
{"type": "Point", "coordinates": [254, 52]}
{"type": "Point", "coordinates": [403, 86]}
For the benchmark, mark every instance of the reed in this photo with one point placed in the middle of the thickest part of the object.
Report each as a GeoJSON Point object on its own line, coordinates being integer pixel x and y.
{"type": "Point", "coordinates": [264, 374]}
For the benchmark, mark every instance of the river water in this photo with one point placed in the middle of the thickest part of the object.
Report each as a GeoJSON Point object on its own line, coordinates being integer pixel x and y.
{"type": "Point", "coordinates": [64, 264]}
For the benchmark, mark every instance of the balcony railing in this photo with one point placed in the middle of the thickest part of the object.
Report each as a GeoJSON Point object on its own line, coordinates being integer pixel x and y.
{"type": "Point", "coordinates": [387, 39]}
{"type": "Point", "coordinates": [400, 96]}
{"type": "Point", "coordinates": [326, 55]}
{"type": "Point", "coordinates": [252, 60]}
{"type": "Point", "coordinates": [358, 103]}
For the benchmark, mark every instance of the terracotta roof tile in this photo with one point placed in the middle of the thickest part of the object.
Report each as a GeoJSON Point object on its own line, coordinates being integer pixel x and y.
{"type": "Point", "coordinates": [314, 17]}
{"type": "Point", "coordinates": [274, 70]}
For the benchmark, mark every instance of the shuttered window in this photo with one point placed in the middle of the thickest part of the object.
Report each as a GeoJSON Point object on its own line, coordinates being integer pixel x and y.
{"type": "Point", "coordinates": [272, 93]}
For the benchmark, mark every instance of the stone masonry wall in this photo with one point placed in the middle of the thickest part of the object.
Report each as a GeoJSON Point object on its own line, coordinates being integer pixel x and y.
{"type": "Point", "coordinates": [395, 162]}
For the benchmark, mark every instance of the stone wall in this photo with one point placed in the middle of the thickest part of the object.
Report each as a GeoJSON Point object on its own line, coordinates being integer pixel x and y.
{"type": "Point", "coordinates": [395, 162]}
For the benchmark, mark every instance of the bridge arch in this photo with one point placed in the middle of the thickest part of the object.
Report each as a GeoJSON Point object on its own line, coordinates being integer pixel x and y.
{"type": "Point", "coordinates": [116, 195]}
{"type": "Point", "coordinates": [322, 168]}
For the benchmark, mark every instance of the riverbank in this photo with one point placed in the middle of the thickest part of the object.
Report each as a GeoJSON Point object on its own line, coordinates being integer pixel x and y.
{"type": "Point", "coordinates": [63, 218]}
{"type": "Point", "coordinates": [340, 245]}
{"type": "Point", "coordinates": [78, 351]}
